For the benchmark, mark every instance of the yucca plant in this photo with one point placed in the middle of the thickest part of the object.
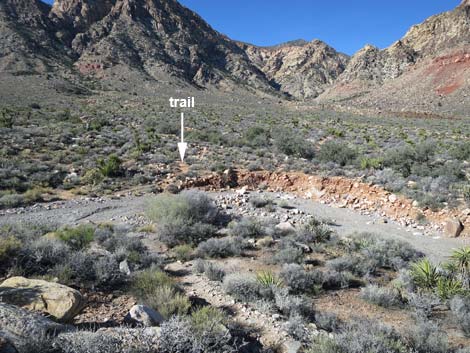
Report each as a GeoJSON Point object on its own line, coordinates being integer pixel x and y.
{"type": "Point", "coordinates": [461, 259]}
{"type": "Point", "coordinates": [268, 279]}
{"type": "Point", "coordinates": [425, 274]}
{"type": "Point", "coordinates": [448, 288]}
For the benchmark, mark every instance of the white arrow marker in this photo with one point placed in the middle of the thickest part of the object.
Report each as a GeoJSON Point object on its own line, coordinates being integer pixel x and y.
{"type": "Point", "coordinates": [182, 146]}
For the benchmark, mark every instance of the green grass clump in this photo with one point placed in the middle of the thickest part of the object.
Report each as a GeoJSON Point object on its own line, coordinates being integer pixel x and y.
{"type": "Point", "coordinates": [156, 289]}
{"type": "Point", "coordinates": [77, 238]}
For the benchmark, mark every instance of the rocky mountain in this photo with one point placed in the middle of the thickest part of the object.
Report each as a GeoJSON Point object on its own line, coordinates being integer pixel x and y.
{"type": "Point", "coordinates": [157, 37]}
{"type": "Point", "coordinates": [427, 70]}
{"type": "Point", "coordinates": [27, 40]}
{"type": "Point", "coordinates": [299, 68]}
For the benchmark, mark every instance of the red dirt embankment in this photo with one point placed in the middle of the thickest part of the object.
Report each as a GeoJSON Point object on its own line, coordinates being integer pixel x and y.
{"type": "Point", "coordinates": [337, 191]}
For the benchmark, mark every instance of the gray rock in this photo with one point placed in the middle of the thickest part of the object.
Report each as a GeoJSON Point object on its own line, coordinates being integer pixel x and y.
{"type": "Point", "coordinates": [292, 346]}
{"type": "Point", "coordinates": [124, 267]}
{"type": "Point", "coordinates": [453, 227]}
{"type": "Point", "coordinates": [143, 315]}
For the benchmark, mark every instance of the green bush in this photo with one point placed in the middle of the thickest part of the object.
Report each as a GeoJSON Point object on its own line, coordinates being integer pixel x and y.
{"type": "Point", "coordinates": [110, 167]}
{"type": "Point", "coordinates": [9, 247]}
{"type": "Point", "coordinates": [292, 144]}
{"type": "Point", "coordinates": [337, 152]}
{"type": "Point", "coordinates": [77, 238]}
{"type": "Point", "coordinates": [186, 218]}
{"type": "Point", "coordinates": [157, 290]}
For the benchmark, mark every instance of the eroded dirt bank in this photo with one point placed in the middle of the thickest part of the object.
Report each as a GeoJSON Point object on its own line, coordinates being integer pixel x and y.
{"type": "Point", "coordinates": [340, 192]}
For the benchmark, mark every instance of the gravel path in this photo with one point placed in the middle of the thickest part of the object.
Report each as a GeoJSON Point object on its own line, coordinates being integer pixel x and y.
{"type": "Point", "coordinates": [130, 210]}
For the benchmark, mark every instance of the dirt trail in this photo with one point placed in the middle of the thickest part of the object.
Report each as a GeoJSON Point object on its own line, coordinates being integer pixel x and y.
{"type": "Point", "coordinates": [198, 286]}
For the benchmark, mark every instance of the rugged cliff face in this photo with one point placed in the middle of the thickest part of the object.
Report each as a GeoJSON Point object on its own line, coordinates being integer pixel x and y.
{"type": "Point", "coordinates": [27, 41]}
{"type": "Point", "coordinates": [427, 70]}
{"type": "Point", "coordinates": [299, 68]}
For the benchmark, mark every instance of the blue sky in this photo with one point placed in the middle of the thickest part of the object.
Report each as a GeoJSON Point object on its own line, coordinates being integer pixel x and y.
{"type": "Point", "coordinates": [345, 24]}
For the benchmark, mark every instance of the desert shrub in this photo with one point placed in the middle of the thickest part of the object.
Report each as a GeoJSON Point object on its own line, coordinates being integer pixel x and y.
{"type": "Point", "coordinates": [460, 307]}
{"type": "Point", "coordinates": [157, 290]}
{"type": "Point", "coordinates": [260, 202]}
{"type": "Point", "coordinates": [292, 144]}
{"type": "Point", "coordinates": [423, 302]}
{"type": "Point", "coordinates": [85, 342]}
{"type": "Point", "coordinates": [337, 152]}
{"type": "Point", "coordinates": [425, 337]}
{"type": "Point", "coordinates": [214, 272]}
{"type": "Point", "coordinates": [461, 151]}
{"type": "Point", "coordinates": [297, 279]}
{"type": "Point", "coordinates": [327, 321]}
{"type": "Point", "coordinates": [77, 238]}
{"type": "Point", "coordinates": [183, 252]}
{"type": "Point", "coordinates": [8, 117]}
{"type": "Point", "coordinates": [371, 163]}
{"type": "Point", "coordinates": [247, 228]}
{"type": "Point", "coordinates": [256, 136]}
{"type": "Point", "coordinates": [296, 327]}
{"type": "Point", "coordinates": [185, 218]}
{"type": "Point", "coordinates": [242, 287]}
{"type": "Point", "coordinates": [338, 280]}
{"type": "Point", "coordinates": [168, 301]}
{"type": "Point", "coordinates": [381, 296]}
{"type": "Point", "coordinates": [107, 272]}
{"type": "Point", "coordinates": [383, 252]}
{"type": "Point", "coordinates": [353, 263]}
{"type": "Point", "coordinates": [221, 247]}
{"type": "Point", "coordinates": [43, 254]}
{"type": "Point", "coordinates": [314, 232]}
{"type": "Point", "coordinates": [288, 255]}
{"type": "Point", "coordinates": [289, 304]}
{"type": "Point", "coordinates": [110, 167]}
{"type": "Point", "coordinates": [9, 248]}
{"type": "Point", "coordinates": [82, 269]}
{"type": "Point", "coordinates": [199, 266]}
{"type": "Point", "coordinates": [177, 336]}
{"type": "Point", "coordinates": [359, 337]}
{"type": "Point", "coordinates": [92, 177]}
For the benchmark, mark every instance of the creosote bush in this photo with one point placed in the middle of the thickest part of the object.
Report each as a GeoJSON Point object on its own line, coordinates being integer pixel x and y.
{"type": "Point", "coordinates": [186, 218]}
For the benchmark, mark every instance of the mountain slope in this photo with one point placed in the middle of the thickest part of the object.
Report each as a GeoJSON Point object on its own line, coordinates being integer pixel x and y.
{"type": "Point", "coordinates": [27, 40]}
{"type": "Point", "coordinates": [299, 68]}
{"type": "Point", "coordinates": [427, 70]}
{"type": "Point", "coordinates": [157, 36]}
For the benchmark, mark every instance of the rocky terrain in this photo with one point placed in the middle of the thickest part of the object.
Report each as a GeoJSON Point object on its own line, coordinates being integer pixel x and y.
{"type": "Point", "coordinates": [323, 204]}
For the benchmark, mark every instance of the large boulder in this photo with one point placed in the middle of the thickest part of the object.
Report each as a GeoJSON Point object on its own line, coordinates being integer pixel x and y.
{"type": "Point", "coordinates": [23, 330]}
{"type": "Point", "coordinates": [60, 301]}
{"type": "Point", "coordinates": [453, 227]}
{"type": "Point", "coordinates": [143, 315]}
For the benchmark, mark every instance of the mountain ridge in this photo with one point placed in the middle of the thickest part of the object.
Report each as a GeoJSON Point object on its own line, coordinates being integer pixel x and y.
{"type": "Point", "coordinates": [163, 39]}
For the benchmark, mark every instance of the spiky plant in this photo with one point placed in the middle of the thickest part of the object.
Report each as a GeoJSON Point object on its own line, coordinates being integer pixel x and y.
{"type": "Point", "coordinates": [461, 259]}
{"type": "Point", "coordinates": [425, 275]}
{"type": "Point", "coordinates": [267, 279]}
{"type": "Point", "coordinates": [447, 288]}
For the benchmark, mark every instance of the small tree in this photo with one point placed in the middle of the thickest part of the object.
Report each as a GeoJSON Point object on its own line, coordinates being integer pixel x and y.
{"type": "Point", "coordinates": [7, 117]}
